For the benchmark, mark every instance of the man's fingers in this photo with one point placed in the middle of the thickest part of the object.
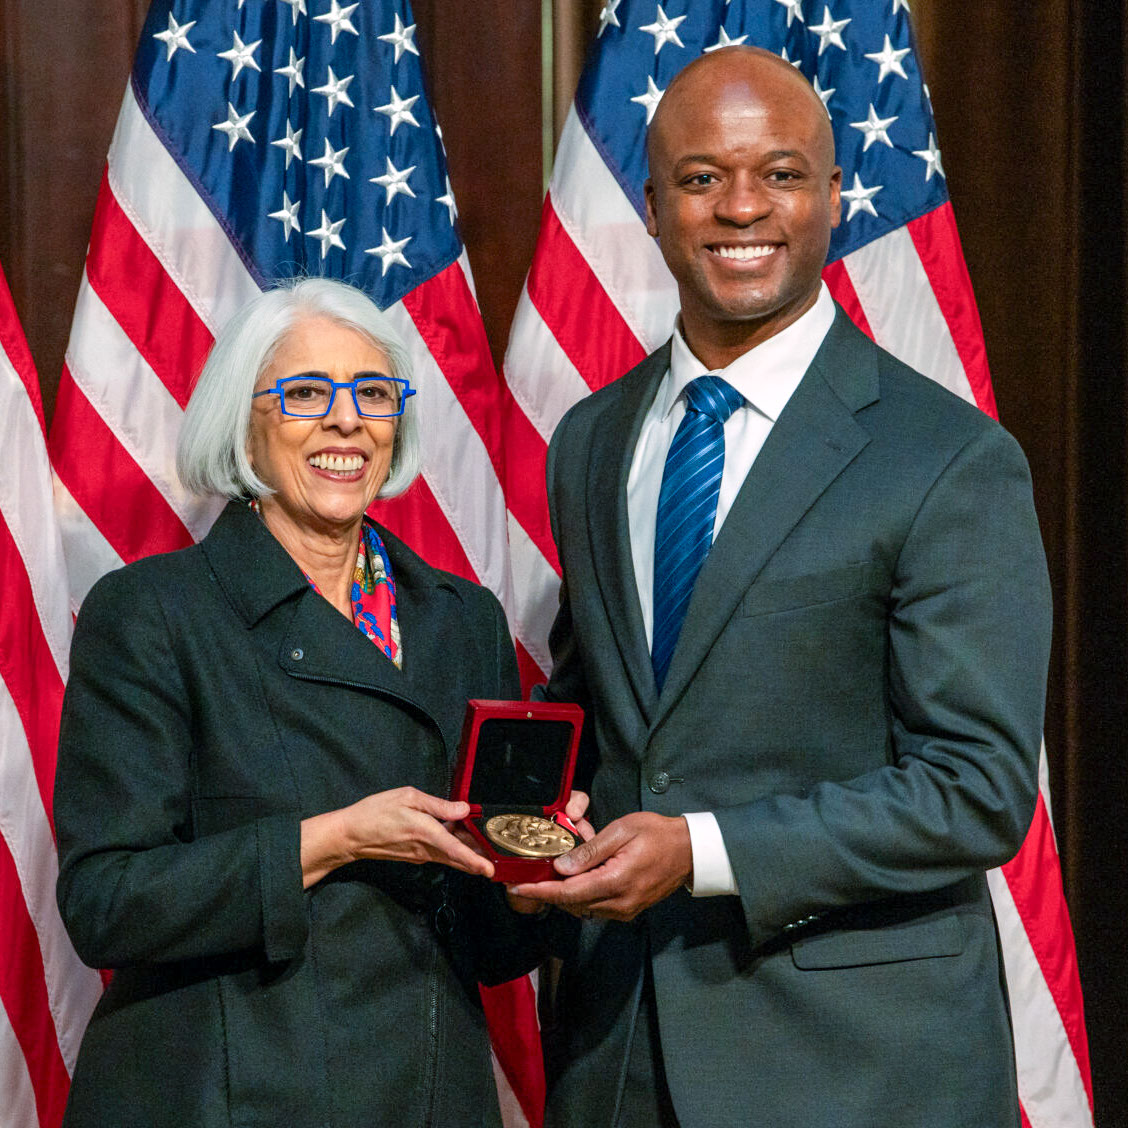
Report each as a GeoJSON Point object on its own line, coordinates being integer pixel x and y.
{"type": "Point", "coordinates": [591, 853]}
{"type": "Point", "coordinates": [544, 892]}
{"type": "Point", "coordinates": [581, 890]}
{"type": "Point", "coordinates": [524, 905]}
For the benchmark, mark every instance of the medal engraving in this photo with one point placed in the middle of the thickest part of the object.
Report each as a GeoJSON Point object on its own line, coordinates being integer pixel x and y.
{"type": "Point", "coordinates": [529, 835]}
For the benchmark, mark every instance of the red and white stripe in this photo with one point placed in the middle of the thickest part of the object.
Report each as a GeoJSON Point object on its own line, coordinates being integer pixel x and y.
{"type": "Point", "coordinates": [597, 300]}
{"type": "Point", "coordinates": [511, 1012]}
{"type": "Point", "coordinates": [46, 995]}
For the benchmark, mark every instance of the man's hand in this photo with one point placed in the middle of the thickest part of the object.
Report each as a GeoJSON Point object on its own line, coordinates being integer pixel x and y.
{"type": "Point", "coordinates": [574, 812]}
{"type": "Point", "coordinates": [628, 866]}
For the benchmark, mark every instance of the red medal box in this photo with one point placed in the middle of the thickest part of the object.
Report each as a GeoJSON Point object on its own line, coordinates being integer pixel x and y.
{"type": "Point", "coordinates": [517, 758]}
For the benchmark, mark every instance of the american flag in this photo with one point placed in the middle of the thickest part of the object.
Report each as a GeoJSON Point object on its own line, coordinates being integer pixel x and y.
{"type": "Point", "coordinates": [46, 995]}
{"type": "Point", "coordinates": [598, 298]}
{"type": "Point", "coordinates": [256, 142]}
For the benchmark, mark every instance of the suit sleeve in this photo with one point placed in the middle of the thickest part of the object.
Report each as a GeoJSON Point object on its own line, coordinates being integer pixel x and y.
{"type": "Point", "coordinates": [134, 885]}
{"type": "Point", "coordinates": [968, 635]}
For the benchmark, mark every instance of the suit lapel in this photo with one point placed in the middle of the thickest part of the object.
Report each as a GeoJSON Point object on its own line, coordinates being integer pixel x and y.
{"type": "Point", "coordinates": [815, 438]}
{"type": "Point", "coordinates": [609, 467]}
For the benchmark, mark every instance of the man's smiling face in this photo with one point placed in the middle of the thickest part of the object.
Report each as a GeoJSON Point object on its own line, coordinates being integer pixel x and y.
{"type": "Point", "coordinates": [742, 195]}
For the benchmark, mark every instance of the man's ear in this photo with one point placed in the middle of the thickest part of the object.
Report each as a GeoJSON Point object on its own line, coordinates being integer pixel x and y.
{"type": "Point", "coordinates": [651, 210]}
{"type": "Point", "coordinates": [835, 196]}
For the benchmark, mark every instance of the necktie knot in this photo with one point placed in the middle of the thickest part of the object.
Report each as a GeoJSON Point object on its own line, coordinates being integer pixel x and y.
{"type": "Point", "coordinates": [712, 396]}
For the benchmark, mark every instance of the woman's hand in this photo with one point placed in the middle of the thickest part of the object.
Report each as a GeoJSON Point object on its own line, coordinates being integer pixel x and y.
{"type": "Point", "coordinates": [404, 825]}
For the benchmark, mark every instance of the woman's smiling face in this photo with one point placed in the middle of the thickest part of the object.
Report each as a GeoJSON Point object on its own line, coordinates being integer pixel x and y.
{"type": "Point", "coordinates": [325, 472]}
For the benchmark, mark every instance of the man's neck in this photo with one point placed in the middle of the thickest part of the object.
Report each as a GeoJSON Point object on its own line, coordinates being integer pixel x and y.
{"type": "Point", "coordinates": [718, 343]}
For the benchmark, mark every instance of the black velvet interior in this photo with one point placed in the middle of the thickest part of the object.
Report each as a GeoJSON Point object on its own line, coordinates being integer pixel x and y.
{"type": "Point", "coordinates": [519, 764]}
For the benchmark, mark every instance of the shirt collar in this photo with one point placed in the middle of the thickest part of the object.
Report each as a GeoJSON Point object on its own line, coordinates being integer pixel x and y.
{"type": "Point", "coordinates": [766, 375]}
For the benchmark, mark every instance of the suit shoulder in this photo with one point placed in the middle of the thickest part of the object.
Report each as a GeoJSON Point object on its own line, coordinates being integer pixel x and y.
{"type": "Point", "coordinates": [143, 597]}
{"type": "Point", "coordinates": [927, 412]}
{"type": "Point", "coordinates": [471, 592]}
{"type": "Point", "coordinates": [409, 566]}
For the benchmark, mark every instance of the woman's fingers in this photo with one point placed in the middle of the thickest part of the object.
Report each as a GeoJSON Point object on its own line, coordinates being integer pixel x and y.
{"type": "Point", "coordinates": [450, 850]}
{"type": "Point", "coordinates": [406, 824]}
{"type": "Point", "coordinates": [445, 810]}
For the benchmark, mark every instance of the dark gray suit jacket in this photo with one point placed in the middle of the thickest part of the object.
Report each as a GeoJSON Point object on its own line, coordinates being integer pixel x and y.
{"type": "Point", "coordinates": [214, 701]}
{"type": "Point", "coordinates": [858, 695]}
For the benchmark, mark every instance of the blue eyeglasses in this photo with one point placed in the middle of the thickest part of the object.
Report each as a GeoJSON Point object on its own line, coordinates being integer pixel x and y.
{"type": "Point", "coordinates": [311, 397]}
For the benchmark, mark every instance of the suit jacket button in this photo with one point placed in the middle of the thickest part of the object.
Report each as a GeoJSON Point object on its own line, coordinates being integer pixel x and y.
{"type": "Point", "coordinates": [297, 654]}
{"type": "Point", "coordinates": [660, 783]}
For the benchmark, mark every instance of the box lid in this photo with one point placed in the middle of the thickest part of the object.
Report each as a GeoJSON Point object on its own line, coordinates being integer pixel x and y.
{"type": "Point", "coordinates": [517, 754]}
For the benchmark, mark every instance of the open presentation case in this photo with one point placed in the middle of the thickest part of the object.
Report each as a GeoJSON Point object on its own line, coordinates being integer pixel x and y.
{"type": "Point", "coordinates": [517, 758]}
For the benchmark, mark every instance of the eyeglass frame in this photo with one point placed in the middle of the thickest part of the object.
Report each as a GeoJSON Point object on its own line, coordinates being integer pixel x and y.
{"type": "Point", "coordinates": [277, 390]}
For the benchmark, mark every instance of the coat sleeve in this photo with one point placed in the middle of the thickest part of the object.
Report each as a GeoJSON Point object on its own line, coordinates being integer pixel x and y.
{"type": "Point", "coordinates": [968, 635]}
{"type": "Point", "coordinates": [135, 886]}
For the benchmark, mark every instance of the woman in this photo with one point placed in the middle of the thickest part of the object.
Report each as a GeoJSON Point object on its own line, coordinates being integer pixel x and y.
{"type": "Point", "coordinates": [256, 735]}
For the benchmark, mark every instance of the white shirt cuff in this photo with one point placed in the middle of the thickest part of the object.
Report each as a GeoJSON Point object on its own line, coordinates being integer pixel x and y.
{"type": "Point", "coordinates": [712, 870]}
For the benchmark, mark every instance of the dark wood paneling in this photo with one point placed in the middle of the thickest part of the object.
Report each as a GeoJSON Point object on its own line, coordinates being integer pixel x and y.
{"type": "Point", "coordinates": [483, 69]}
{"type": "Point", "coordinates": [1035, 163]}
{"type": "Point", "coordinates": [64, 70]}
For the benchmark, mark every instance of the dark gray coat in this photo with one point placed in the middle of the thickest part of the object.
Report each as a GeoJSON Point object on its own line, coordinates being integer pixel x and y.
{"type": "Point", "coordinates": [857, 694]}
{"type": "Point", "coordinates": [214, 701]}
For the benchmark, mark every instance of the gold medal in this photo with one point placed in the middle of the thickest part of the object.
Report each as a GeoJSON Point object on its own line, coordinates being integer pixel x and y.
{"type": "Point", "coordinates": [529, 835]}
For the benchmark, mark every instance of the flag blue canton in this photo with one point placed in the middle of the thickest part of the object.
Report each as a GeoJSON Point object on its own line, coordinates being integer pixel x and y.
{"type": "Point", "coordinates": [306, 128]}
{"type": "Point", "coordinates": [859, 54]}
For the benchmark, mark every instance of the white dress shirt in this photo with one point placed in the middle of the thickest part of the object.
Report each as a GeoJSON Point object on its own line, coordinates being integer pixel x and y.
{"type": "Point", "coordinates": [766, 376]}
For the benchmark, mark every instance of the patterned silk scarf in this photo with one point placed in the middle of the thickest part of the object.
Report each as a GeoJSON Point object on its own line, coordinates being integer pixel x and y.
{"type": "Point", "coordinates": [373, 592]}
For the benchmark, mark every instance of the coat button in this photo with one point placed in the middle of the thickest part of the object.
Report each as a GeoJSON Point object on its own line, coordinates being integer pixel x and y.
{"type": "Point", "coordinates": [297, 654]}
{"type": "Point", "coordinates": [660, 783]}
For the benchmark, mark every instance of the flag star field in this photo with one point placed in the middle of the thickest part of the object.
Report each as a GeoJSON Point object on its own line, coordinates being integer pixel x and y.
{"type": "Point", "coordinates": [309, 136]}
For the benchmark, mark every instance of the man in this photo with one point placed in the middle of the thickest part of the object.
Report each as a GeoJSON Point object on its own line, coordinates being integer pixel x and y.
{"type": "Point", "coordinates": [834, 736]}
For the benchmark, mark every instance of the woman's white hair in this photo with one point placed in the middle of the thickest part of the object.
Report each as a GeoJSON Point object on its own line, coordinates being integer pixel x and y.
{"type": "Point", "coordinates": [211, 454]}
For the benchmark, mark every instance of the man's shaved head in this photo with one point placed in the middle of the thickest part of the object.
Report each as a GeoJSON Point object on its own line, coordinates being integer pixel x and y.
{"type": "Point", "coordinates": [736, 64]}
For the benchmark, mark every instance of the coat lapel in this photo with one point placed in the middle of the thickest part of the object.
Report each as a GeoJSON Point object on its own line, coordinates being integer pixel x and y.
{"type": "Point", "coordinates": [609, 467]}
{"type": "Point", "coordinates": [815, 438]}
{"type": "Point", "coordinates": [333, 650]}
{"type": "Point", "coordinates": [318, 642]}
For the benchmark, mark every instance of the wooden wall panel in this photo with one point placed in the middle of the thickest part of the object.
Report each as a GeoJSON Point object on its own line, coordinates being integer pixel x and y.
{"type": "Point", "coordinates": [64, 69]}
{"type": "Point", "coordinates": [483, 71]}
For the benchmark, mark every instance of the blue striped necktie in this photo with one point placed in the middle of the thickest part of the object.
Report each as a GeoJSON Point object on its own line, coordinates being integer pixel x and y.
{"type": "Point", "coordinates": [687, 509]}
